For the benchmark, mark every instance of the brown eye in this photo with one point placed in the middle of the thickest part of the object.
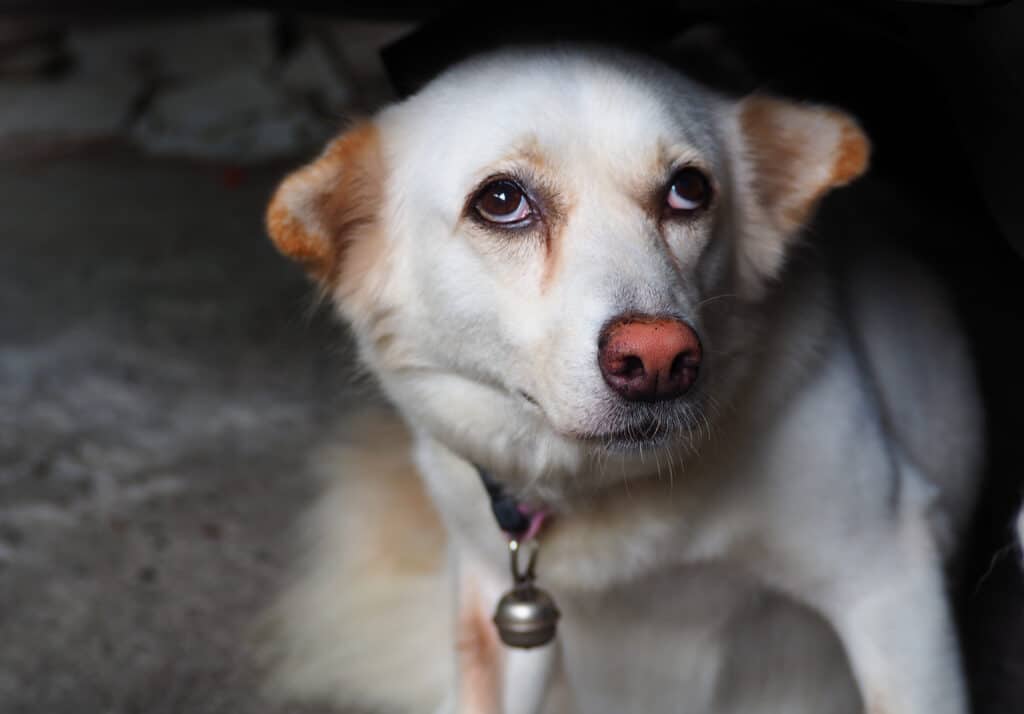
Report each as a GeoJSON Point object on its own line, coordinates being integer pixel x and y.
{"type": "Point", "coordinates": [503, 202]}
{"type": "Point", "coordinates": [689, 190]}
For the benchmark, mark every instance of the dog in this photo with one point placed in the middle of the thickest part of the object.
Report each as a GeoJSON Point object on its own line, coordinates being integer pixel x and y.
{"type": "Point", "coordinates": [745, 470]}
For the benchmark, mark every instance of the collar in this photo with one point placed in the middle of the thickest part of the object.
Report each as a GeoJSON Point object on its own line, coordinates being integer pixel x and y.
{"type": "Point", "coordinates": [519, 522]}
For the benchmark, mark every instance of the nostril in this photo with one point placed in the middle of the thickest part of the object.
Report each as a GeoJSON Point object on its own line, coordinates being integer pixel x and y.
{"type": "Point", "coordinates": [682, 361]}
{"type": "Point", "coordinates": [677, 366]}
{"type": "Point", "coordinates": [632, 366]}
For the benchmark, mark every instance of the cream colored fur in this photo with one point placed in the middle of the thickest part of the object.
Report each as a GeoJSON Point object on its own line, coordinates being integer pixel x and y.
{"type": "Point", "coordinates": [373, 573]}
{"type": "Point", "coordinates": [778, 547]}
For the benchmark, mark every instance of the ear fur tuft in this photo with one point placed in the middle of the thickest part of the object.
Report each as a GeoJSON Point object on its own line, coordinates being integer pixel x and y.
{"type": "Point", "coordinates": [791, 154]}
{"type": "Point", "coordinates": [799, 152]}
{"type": "Point", "coordinates": [321, 209]}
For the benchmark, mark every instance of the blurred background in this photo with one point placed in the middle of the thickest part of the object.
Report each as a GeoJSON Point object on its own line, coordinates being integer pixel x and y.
{"type": "Point", "coordinates": [163, 373]}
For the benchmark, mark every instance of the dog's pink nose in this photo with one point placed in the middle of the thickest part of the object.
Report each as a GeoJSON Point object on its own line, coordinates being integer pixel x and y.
{"type": "Point", "coordinates": [648, 359]}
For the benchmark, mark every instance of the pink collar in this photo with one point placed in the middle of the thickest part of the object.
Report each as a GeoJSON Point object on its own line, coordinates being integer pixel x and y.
{"type": "Point", "coordinates": [536, 518]}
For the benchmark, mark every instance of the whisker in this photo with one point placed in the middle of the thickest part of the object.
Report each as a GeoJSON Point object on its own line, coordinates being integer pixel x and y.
{"type": "Point", "coordinates": [711, 299]}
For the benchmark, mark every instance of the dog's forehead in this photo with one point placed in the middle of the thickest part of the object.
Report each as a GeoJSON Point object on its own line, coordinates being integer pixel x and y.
{"type": "Point", "coordinates": [563, 107]}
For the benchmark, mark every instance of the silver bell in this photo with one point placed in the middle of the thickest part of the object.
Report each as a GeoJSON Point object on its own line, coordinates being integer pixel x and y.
{"type": "Point", "coordinates": [526, 616]}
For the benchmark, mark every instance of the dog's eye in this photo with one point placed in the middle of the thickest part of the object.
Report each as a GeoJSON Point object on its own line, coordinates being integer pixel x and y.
{"type": "Point", "coordinates": [503, 202]}
{"type": "Point", "coordinates": [689, 190]}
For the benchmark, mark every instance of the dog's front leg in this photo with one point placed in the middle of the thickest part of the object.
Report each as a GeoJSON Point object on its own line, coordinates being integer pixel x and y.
{"type": "Point", "coordinates": [490, 677]}
{"type": "Point", "coordinates": [900, 640]}
{"type": "Point", "coordinates": [888, 605]}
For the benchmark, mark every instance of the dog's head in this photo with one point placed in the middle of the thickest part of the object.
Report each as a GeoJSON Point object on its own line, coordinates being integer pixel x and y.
{"type": "Point", "coordinates": [528, 249]}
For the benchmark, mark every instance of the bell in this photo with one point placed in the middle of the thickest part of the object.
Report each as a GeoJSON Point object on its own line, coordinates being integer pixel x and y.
{"type": "Point", "coordinates": [526, 616]}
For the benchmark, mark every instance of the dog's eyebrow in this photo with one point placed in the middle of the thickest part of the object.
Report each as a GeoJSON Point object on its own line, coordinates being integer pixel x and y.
{"type": "Point", "coordinates": [673, 156]}
{"type": "Point", "coordinates": [529, 153]}
{"type": "Point", "coordinates": [523, 148]}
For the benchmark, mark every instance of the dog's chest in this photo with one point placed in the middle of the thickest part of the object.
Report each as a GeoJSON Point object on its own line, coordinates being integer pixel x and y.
{"type": "Point", "coordinates": [700, 640]}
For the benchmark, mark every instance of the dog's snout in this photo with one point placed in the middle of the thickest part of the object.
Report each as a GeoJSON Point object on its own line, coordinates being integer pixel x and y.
{"type": "Point", "coordinates": [649, 359]}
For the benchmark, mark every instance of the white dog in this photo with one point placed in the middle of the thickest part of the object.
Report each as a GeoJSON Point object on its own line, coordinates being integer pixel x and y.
{"type": "Point", "coordinates": [569, 268]}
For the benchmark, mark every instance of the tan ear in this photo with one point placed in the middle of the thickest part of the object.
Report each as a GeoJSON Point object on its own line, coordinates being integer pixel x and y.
{"type": "Point", "coordinates": [799, 152]}
{"type": "Point", "coordinates": [319, 213]}
{"type": "Point", "coordinates": [793, 154]}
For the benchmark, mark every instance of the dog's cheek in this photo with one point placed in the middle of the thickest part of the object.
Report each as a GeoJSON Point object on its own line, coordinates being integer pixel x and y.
{"type": "Point", "coordinates": [788, 156]}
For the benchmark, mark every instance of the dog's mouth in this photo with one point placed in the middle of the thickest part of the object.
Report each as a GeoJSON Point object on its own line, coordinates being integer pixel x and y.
{"type": "Point", "coordinates": [649, 432]}
{"type": "Point", "coordinates": [640, 427]}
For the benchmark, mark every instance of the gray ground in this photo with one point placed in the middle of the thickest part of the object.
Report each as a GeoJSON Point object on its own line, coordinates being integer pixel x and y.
{"type": "Point", "coordinates": [162, 374]}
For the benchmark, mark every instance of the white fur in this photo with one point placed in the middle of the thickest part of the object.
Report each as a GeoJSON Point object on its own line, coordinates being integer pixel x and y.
{"type": "Point", "coordinates": [783, 552]}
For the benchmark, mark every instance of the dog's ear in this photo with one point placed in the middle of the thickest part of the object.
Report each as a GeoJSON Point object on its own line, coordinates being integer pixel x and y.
{"type": "Point", "coordinates": [321, 213]}
{"type": "Point", "coordinates": [792, 154]}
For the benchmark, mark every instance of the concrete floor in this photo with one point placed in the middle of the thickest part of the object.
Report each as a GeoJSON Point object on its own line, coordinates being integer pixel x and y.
{"type": "Point", "coordinates": [162, 374]}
